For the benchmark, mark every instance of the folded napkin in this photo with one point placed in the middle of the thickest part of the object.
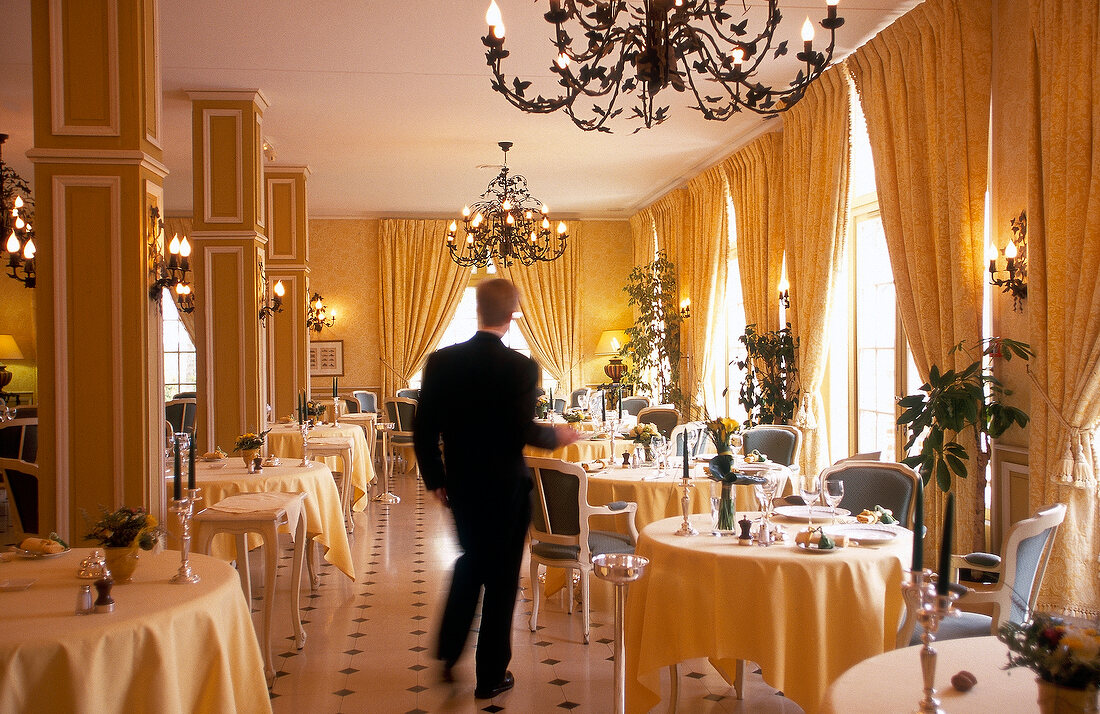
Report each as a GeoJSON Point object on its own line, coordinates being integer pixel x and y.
{"type": "Point", "coordinates": [331, 441]}
{"type": "Point", "coordinates": [592, 466]}
{"type": "Point", "coordinates": [263, 501]}
{"type": "Point", "coordinates": [813, 538]}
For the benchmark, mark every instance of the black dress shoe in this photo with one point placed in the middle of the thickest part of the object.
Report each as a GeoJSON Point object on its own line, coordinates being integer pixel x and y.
{"type": "Point", "coordinates": [503, 686]}
{"type": "Point", "coordinates": [448, 674]}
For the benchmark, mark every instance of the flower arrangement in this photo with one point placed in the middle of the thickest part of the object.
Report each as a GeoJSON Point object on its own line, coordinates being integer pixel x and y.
{"type": "Point", "coordinates": [542, 405]}
{"type": "Point", "coordinates": [314, 409]}
{"type": "Point", "coordinates": [642, 433]}
{"type": "Point", "coordinates": [1064, 654]}
{"type": "Point", "coordinates": [721, 431]}
{"type": "Point", "coordinates": [125, 528]}
{"type": "Point", "coordinates": [573, 416]}
{"type": "Point", "coordinates": [720, 469]}
{"type": "Point", "coordinates": [250, 441]}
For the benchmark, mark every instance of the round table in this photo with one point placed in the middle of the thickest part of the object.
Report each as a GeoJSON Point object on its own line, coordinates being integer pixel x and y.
{"type": "Point", "coordinates": [165, 648]}
{"type": "Point", "coordinates": [578, 451]}
{"type": "Point", "coordinates": [324, 517]}
{"type": "Point", "coordinates": [285, 441]}
{"type": "Point", "coordinates": [803, 617]}
{"type": "Point", "coordinates": [893, 681]}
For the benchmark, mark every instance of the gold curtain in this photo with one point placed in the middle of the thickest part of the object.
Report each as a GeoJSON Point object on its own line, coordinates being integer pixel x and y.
{"type": "Point", "coordinates": [643, 235]}
{"type": "Point", "coordinates": [1064, 276]}
{"type": "Point", "coordinates": [815, 203]}
{"type": "Point", "coordinates": [182, 227]}
{"type": "Point", "coordinates": [924, 83]}
{"type": "Point", "coordinates": [702, 260]}
{"type": "Point", "coordinates": [548, 300]}
{"type": "Point", "coordinates": [755, 176]}
{"type": "Point", "coordinates": [668, 220]}
{"type": "Point", "coordinates": [419, 290]}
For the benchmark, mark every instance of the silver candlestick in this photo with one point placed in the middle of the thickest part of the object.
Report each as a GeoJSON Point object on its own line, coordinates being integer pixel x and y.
{"type": "Point", "coordinates": [931, 609]}
{"type": "Point", "coordinates": [184, 508]}
{"type": "Point", "coordinates": [336, 411]}
{"type": "Point", "coordinates": [305, 439]}
{"type": "Point", "coordinates": [686, 529]}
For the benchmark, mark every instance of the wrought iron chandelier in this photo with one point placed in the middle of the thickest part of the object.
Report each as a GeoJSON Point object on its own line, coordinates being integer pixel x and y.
{"type": "Point", "coordinates": [506, 224]}
{"type": "Point", "coordinates": [169, 273]}
{"type": "Point", "coordinates": [640, 47]}
{"type": "Point", "coordinates": [16, 212]}
{"type": "Point", "coordinates": [318, 316]}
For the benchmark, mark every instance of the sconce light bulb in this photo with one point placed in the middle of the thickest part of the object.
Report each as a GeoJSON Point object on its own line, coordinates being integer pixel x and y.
{"type": "Point", "coordinates": [498, 31]}
{"type": "Point", "coordinates": [19, 223]}
{"type": "Point", "coordinates": [332, 314]}
{"type": "Point", "coordinates": [18, 202]}
{"type": "Point", "coordinates": [545, 222]}
{"type": "Point", "coordinates": [12, 246]}
{"type": "Point", "coordinates": [492, 15]}
{"type": "Point", "coordinates": [991, 253]}
{"type": "Point", "coordinates": [185, 248]}
{"type": "Point", "coordinates": [181, 288]}
{"type": "Point", "coordinates": [561, 228]}
{"type": "Point", "coordinates": [465, 211]}
{"type": "Point", "coordinates": [29, 250]}
{"type": "Point", "coordinates": [832, 3]}
{"type": "Point", "coordinates": [174, 246]}
{"type": "Point", "coordinates": [279, 289]}
{"type": "Point", "coordinates": [807, 31]}
{"type": "Point", "coordinates": [1010, 250]}
{"type": "Point", "coordinates": [545, 209]}
{"type": "Point", "coordinates": [453, 227]}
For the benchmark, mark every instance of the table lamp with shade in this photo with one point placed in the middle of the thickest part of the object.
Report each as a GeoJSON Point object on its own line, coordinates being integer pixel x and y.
{"type": "Point", "coordinates": [8, 350]}
{"type": "Point", "coordinates": [610, 343]}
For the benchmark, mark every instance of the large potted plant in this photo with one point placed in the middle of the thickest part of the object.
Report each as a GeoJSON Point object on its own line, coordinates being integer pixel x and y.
{"type": "Point", "coordinates": [770, 390]}
{"type": "Point", "coordinates": [654, 346]}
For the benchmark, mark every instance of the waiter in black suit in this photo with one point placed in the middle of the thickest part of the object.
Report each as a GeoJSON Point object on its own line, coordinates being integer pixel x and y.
{"type": "Point", "coordinates": [478, 397]}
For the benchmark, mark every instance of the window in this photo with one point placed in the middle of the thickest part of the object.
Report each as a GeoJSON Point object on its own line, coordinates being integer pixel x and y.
{"type": "Point", "coordinates": [179, 351]}
{"type": "Point", "coordinates": [724, 376]}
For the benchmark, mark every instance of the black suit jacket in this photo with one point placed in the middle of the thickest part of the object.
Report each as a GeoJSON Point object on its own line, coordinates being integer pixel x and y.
{"type": "Point", "coordinates": [479, 398]}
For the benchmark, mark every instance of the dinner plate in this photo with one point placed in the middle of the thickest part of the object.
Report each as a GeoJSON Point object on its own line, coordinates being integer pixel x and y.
{"type": "Point", "coordinates": [864, 533]}
{"type": "Point", "coordinates": [806, 548]}
{"type": "Point", "coordinates": [802, 513]}
{"type": "Point", "coordinates": [16, 584]}
{"type": "Point", "coordinates": [33, 555]}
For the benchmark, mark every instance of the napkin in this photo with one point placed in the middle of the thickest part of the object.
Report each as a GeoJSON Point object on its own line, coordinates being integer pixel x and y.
{"type": "Point", "coordinates": [249, 502]}
{"type": "Point", "coordinates": [812, 538]}
{"type": "Point", "coordinates": [592, 466]}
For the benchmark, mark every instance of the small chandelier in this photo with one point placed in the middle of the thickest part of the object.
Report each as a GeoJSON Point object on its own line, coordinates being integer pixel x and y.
{"type": "Point", "coordinates": [276, 303]}
{"type": "Point", "coordinates": [171, 272]}
{"type": "Point", "coordinates": [507, 223]}
{"type": "Point", "coordinates": [16, 210]}
{"type": "Point", "coordinates": [1014, 275]}
{"type": "Point", "coordinates": [640, 47]}
{"type": "Point", "coordinates": [318, 317]}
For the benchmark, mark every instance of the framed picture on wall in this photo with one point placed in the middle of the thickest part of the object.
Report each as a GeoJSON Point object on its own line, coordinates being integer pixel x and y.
{"type": "Point", "coordinates": [326, 358]}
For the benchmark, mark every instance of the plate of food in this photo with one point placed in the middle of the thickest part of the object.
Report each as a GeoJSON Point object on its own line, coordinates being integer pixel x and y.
{"type": "Point", "coordinates": [819, 542]}
{"type": "Point", "coordinates": [802, 513]}
{"type": "Point", "coordinates": [39, 548]}
{"type": "Point", "coordinates": [216, 455]}
{"type": "Point", "coordinates": [816, 549]}
{"type": "Point", "coordinates": [865, 533]}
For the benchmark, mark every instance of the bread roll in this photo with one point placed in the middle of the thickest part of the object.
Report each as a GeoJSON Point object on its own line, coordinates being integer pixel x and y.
{"type": "Point", "coordinates": [41, 545]}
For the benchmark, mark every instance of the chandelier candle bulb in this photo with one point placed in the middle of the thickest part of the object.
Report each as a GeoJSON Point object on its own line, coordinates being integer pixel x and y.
{"type": "Point", "coordinates": [808, 36]}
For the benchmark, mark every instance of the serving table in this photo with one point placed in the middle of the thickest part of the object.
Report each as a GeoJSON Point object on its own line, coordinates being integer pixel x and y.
{"type": "Point", "coordinates": [893, 681]}
{"type": "Point", "coordinates": [166, 648]}
{"type": "Point", "coordinates": [324, 517]}
{"type": "Point", "coordinates": [285, 441]}
{"type": "Point", "coordinates": [803, 617]}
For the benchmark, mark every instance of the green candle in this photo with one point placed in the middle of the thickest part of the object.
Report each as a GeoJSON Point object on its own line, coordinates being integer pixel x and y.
{"type": "Point", "coordinates": [687, 473]}
{"type": "Point", "coordinates": [191, 464]}
{"type": "Point", "coordinates": [176, 493]}
{"type": "Point", "coordinates": [943, 583]}
{"type": "Point", "coordinates": [918, 527]}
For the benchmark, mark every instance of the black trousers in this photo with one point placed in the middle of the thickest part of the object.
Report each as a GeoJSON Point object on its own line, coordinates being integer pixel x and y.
{"type": "Point", "coordinates": [492, 542]}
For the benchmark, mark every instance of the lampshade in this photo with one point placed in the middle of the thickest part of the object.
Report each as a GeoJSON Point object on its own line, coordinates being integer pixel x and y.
{"type": "Point", "coordinates": [611, 341]}
{"type": "Point", "coordinates": [9, 349]}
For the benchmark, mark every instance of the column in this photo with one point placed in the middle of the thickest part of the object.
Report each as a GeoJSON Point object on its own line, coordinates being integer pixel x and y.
{"type": "Point", "coordinates": [98, 170]}
{"type": "Point", "coordinates": [287, 260]}
{"type": "Point", "coordinates": [229, 244]}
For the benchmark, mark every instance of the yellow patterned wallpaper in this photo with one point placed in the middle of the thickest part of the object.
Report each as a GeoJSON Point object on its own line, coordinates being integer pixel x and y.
{"type": "Point", "coordinates": [17, 318]}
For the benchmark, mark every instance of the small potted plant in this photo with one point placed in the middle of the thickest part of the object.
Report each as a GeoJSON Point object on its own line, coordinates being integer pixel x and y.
{"type": "Point", "coordinates": [122, 534]}
{"type": "Point", "coordinates": [542, 406]}
{"type": "Point", "coordinates": [1065, 656]}
{"type": "Point", "coordinates": [573, 416]}
{"type": "Point", "coordinates": [249, 445]}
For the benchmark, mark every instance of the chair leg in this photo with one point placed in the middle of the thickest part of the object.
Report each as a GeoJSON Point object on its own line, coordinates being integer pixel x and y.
{"type": "Point", "coordinates": [673, 688]}
{"type": "Point", "coordinates": [271, 541]}
{"type": "Point", "coordinates": [739, 680]}
{"type": "Point", "coordinates": [586, 611]}
{"type": "Point", "coordinates": [535, 594]}
{"type": "Point", "coordinates": [296, 582]}
{"type": "Point", "coordinates": [569, 580]}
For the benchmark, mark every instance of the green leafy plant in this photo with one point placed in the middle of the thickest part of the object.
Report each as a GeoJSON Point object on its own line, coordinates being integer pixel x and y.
{"type": "Point", "coordinates": [951, 403]}
{"type": "Point", "coordinates": [1061, 653]}
{"type": "Point", "coordinates": [654, 346]}
{"type": "Point", "coordinates": [125, 528]}
{"type": "Point", "coordinates": [250, 441]}
{"type": "Point", "coordinates": [770, 390]}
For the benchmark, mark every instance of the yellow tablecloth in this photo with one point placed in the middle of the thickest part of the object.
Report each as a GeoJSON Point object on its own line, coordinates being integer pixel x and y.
{"type": "Point", "coordinates": [584, 450]}
{"type": "Point", "coordinates": [285, 441]}
{"type": "Point", "coordinates": [804, 618]}
{"type": "Point", "coordinates": [324, 517]}
{"type": "Point", "coordinates": [656, 499]}
{"type": "Point", "coordinates": [893, 682]}
{"type": "Point", "coordinates": [166, 648]}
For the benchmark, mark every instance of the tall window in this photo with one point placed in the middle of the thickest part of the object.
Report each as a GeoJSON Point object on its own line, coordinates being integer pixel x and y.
{"type": "Point", "coordinates": [724, 376]}
{"type": "Point", "coordinates": [179, 351]}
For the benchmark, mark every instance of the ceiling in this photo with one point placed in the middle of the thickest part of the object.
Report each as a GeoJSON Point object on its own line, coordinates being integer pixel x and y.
{"type": "Point", "coordinates": [389, 102]}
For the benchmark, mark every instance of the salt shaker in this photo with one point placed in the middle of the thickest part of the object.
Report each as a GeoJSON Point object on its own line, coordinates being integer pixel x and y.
{"type": "Point", "coordinates": [84, 604]}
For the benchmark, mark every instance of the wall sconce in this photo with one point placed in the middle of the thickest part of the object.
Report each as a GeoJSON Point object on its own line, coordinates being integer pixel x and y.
{"type": "Point", "coordinates": [784, 293]}
{"type": "Point", "coordinates": [276, 304]}
{"type": "Point", "coordinates": [15, 224]}
{"type": "Point", "coordinates": [171, 272]}
{"type": "Point", "coordinates": [317, 316]}
{"type": "Point", "coordinates": [1014, 281]}
{"type": "Point", "coordinates": [685, 309]}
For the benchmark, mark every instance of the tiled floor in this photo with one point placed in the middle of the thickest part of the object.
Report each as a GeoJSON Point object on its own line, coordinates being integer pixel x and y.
{"type": "Point", "coordinates": [370, 643]}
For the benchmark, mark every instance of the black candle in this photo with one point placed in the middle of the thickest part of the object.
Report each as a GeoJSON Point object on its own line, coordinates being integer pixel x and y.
{"type": "Point", "coordinates": [944, 581]}
{"type": "Point", "coordinates": [619, 396]}
{"type": "Point", "coordinates": [191, 464]}
{"type": "Point", "coordinates": [603, 410]}
{"type": "Point", "coordinates": [918, 527]}
{"type": "Point", "coordinates": [334, 387]}
{"type": "Point", "coordinates": [176, 485]}
{"type": "Point", "coordinates": [687, 473]}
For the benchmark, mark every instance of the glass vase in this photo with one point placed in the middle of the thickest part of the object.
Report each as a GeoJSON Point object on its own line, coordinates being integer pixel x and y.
{"type": "Point", "coordinates": [1056, 699]}
{"type": "Point", "coordinates": [724, 509]}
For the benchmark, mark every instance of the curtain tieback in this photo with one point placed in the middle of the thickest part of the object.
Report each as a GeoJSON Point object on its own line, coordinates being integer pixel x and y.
{"type": "Point", "coordinates": [1075, 468]}
{"type": "Point", "coordinates": [804, 418]}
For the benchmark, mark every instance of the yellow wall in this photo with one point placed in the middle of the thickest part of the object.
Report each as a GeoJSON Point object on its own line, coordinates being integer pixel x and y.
{"type": "Point", "coordinates": [17, 305]}
{"type": "Point", "coordinates": [343, 262]}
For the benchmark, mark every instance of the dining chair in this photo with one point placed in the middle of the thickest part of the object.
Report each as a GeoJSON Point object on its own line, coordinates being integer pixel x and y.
{"type": "Point", "coordinates": [20, 481]}
{"type": "Point", "coordinates": [351, 406]}
{"type": "Point", "coordinates": [559, 405]}
{"type": "Point", "coordinates": [408, 393]}
{"type": "Point", "coordinates": [697, 438]}
{"type": "Point", "coordinates": [180, 413]}
{"type": "Point", "coordinates": [876, 483]}
{"type": "Point", "coordinates": [664, 418]}
{"type": "Point", "coordinates": [781, 443]}
{"type": "Point", "coordinates": [19, 439]}
{"type": "Point", "coordinates": [560, 532]}
{"type": "Point", "coordinates": [576, 395]}
{"type": "Point", "coordinates": [633, 405]}
{"type": "Point", "coordinates": [865, 456]}
{"type": "Point", "coordinates": [1021, 566]}
{"type": "Point", "coordinates": [402, 411]}
{"type": "Point", "coordinates": [368, 401]}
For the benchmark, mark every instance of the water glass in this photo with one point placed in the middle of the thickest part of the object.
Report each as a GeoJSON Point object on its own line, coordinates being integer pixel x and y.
{"type": "Point", "coordinates": [810, 490]}
{"type": "Point", "coordinates": [834, 494]}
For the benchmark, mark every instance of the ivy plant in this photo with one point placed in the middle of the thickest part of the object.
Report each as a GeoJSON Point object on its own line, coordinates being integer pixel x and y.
{"type": "Point", "coordinates": [952, 402]}
{"type": "Point", "coordinates": [770, 390]}
{"type": "Point", "coordinates": [654, 344]}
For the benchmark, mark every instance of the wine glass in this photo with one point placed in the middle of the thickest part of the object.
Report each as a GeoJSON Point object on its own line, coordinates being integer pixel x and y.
{"type": "Point", "coordinates": [768, 489]}
{"type": "Point", "coordinates": [659, 446]}
{"type": "Point", "coordinates": [810, 490]}
{"type": "Point", "coordinates": [834, 494]}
